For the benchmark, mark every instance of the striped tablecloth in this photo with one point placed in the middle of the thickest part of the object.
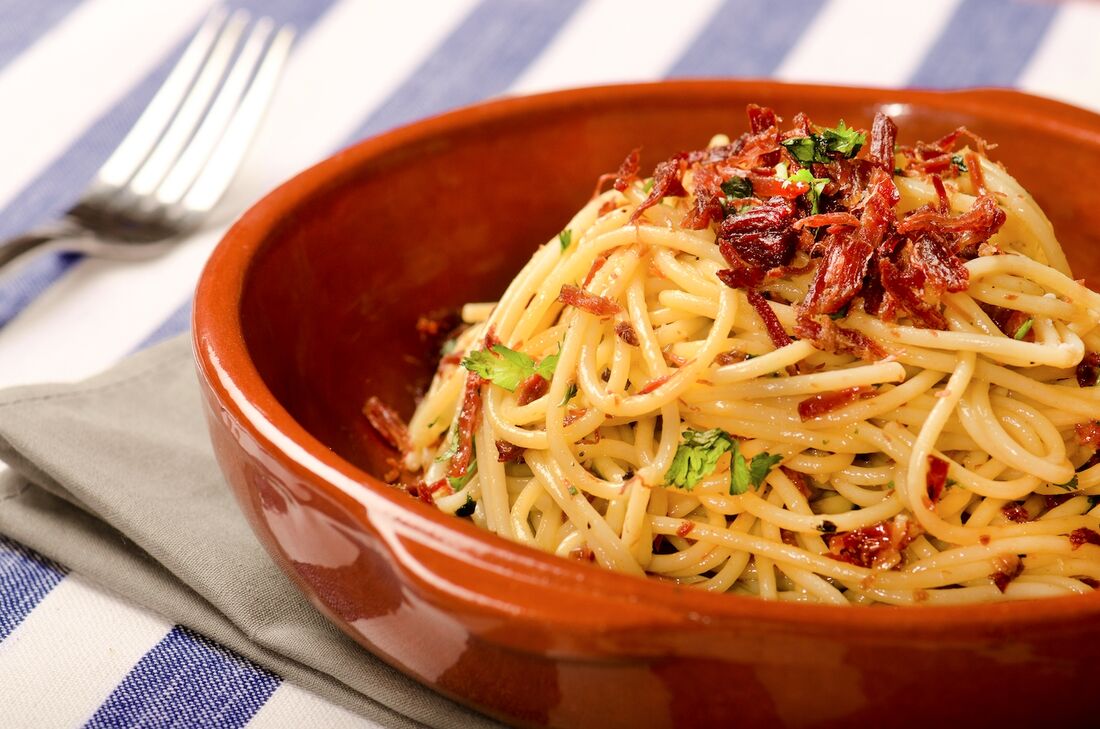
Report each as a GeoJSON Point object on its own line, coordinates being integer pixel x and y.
{"type": "Point", "coordinates": [74, 74]}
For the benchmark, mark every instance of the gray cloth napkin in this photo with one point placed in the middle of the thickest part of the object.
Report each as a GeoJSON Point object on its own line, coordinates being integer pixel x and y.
{"type": "Point", "coordinates": [115, 478]}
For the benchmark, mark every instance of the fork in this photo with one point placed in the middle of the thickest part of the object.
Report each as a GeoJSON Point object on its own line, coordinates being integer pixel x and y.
{"type": "Point", "coordinates": [182, 153]}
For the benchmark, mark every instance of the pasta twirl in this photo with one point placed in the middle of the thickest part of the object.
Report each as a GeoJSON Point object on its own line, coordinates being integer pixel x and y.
{"type": "Point", "coordinates": [805, 365]}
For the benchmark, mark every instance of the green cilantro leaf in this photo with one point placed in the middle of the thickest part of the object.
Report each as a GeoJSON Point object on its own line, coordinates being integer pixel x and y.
{"type": "Point", "coordinates": [737, 187]}
{"type": "Point", "coordinates": [1071, 485]}
{"type": "Point", "coordinates": [743, 474]}
{"type": "Point", "coordinates": [452, 446]}
{"type": "Point", "coordinates": [821, 146]}
{"type": "Point", "coordinates": [959, 162]}
{"type": "Point", "coordinates": [459, 482]}
{"type": "Point", "coordinates": [569, 394]}
{"type": "Point", "coordinates": [697, 456]}
{"type": "Point", "coordinates": [1023, 330]}
{"type": "Point", "coordinates": [843, 141]}
{"type": "Point", "coordinates": [817, 184]}
{"type": "Point", "coordinates": [648, 186]}
{"type": "Point", "coordinates": [565, 238]}
{"type": "Point", "coordinates": [806, 149]}
{"type": "Point", "coordinates": [507, 367]}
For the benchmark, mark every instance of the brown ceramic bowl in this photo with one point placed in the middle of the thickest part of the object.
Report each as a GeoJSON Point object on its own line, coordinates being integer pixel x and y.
{"type": "Point", "coordinates": [308, 307]}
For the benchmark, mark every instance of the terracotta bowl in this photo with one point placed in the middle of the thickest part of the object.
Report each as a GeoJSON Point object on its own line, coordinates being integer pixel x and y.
{"type": "Point", "coordinates": [308, 307]}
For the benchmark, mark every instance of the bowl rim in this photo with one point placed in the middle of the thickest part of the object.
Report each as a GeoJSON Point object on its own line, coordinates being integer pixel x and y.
{"type": "Point", "coordinates": [229, 375]}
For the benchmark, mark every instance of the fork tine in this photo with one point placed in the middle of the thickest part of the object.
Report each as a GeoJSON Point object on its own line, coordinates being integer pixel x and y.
{"type": "Point", "coordinates": [191, 110]}
{"type": "Point", "coordinates": [197, 152]}
{"type": "Point", "coordinates": [229, 153]}
{"type": "Point", "coordinates": [136, 146]}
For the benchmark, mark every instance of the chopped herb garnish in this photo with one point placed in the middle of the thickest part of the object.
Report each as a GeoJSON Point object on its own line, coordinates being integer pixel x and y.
{"type": "Point", "coordinates": [572, 490]}
{"type": "Point", "coordinates": [434, 421]}
{"type": "Point", "coordinates": [565, 238]}
{"type": "Point", "coordinates": [452, 446]}
{"type": "Point", "coordinates": [819, 147]}
{"type": "Point", "coordinates": [507, 367]}
{"type": "Point", "coordinates": [840, 313]}
{"type": "Point", "coordinates": [466, 509]}
{"type": "Point", "coordinates": [827, 527]}
{"type": "Point", "coordinates": [459, 482]}
{"type": "Point", "coordinates": [1023, 330]}
{"type": "Point", "coordinates": [817, 184]}
{"type": "Point", "coordinates": [1070, 485]}
{"type": "Point", "coordinates": [753, 473]}
{"type": "Point", "coordinates": [648, 186]}
{"type": "Point", "coordinates": [569, 394]}
{"type": "Point", "coordinates": [899, 171]}
{"type": "Point", "coordinates": [959, 162]}
{"type": "Point", "coordinates": [1094, 499]}
{"type": "Point", "coordinates": [697, 456]}
{"type": "Point", "coordinates": [951, 482]}
{"type": "Point", "coordinates": [737, 187]}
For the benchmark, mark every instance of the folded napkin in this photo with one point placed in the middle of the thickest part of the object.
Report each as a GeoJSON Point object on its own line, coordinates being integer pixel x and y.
{"type": "Point", "coordinates": [114, 477]}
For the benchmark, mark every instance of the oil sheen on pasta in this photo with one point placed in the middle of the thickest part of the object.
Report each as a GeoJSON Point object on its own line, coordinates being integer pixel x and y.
{"type": "Point", "coordinates": [809, 364]}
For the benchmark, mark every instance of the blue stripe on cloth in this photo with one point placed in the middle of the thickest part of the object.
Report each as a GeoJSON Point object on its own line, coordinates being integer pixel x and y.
{"type": "Point", "coordinates": [56, 189]}
{"type": "Point", "coordinates": [187, 681]}
{"type": "Point", "coordinates": [25, 578]}
{"type": "Point", "coordinates": [747, 38]}
{"type": "Point", "coordinates": [480, 58]}
{"type": "Point", "coordinates": [985, 43]}
{"type": "Point", "coordinates": [23, 23]}
{"type": "Point", "coordinates": [178, 322]}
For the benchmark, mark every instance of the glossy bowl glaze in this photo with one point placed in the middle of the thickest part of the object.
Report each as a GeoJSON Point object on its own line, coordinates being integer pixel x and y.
{"type": "Point", "coordinates": [308, 307]}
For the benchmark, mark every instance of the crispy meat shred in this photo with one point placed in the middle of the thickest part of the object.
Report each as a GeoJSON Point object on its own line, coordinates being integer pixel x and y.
{"type": "Point", "coordinates": [879, 546]}
{"type": "Point", "coordinates": [387, 423]}
{"type": "Point", "coordinates": [754, 194]}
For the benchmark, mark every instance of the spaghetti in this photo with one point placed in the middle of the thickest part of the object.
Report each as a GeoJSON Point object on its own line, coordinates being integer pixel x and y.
{"type": "Point", "coordinates": [806, 365]}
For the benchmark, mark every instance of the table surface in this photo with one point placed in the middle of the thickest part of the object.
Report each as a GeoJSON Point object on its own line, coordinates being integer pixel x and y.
{"type": "Point", "coordinates": [74, 74]}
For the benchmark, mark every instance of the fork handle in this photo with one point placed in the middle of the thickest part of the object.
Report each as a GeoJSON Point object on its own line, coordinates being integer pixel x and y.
{"type": "Point", "coordinates": [17, 251]}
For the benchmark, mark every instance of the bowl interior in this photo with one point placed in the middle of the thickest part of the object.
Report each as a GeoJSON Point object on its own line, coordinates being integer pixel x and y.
{"type": "Point", "coordinates": [447, 211]}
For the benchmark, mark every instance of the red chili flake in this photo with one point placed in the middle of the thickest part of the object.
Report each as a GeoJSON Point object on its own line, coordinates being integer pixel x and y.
{"type": "Point", "coordinates": [509, 452]}
{"type": "Point", "coordinates": [825, 402]}
{"type": "Point", "coordinates": [584, 554]}
{"type": "Point", "coordinates": [531, 389]}
{"type": "Point", "coordinates": [387, 423]}
{"type": "Point", "coordinates": [936, 478]}
{"type": "Point", "coordinates": [672, 360]}
{"type": "Point", "coordinates": [654, 384]}
{"type": "Point", "coordinates": [1089, 581]}
{"type": "Point", "coordinates": [733, 356]}
{"type": "Point", "coordinates": [468, 418]}
{"type": "Point", "coordinates": [685, 528]}
{"type": "Point", "coordinates": [442, 486]}
{"type": "Point", "coordinates": [491, 339]}
{"type": "Point", "coordinates": [1083, 535]}
{"type": "Point", "coordinates": [597, 264]}
{"type": "Point", "coordinates": [587, 301]}
{"type": "Point", "coordinates": [1015, 512]}
{"type": "Point", "coordinates": [625, 332]}
{"type": "Point", "coordinates": [1088, 370]}
{"type": "Point", "coordinates": [1052, 500]}
{"type": "Point", "coordinates": [879, 546]}
{"type": "Point", "coordinates": [788, 537]}
{"type": "Point", "coordinates": [776, 332]}
{"type": "Point", "coordinates": [800, 480]}
{"type": "Point", "coordinates": [1088, 433]}
{"type": "Point", "coordinates": [628, 170]}
{"type": "Point", "coordinates": [1009, 567]}
{"type": "Point", "coordinates": [884, 136]}
{"type": "Point", "coordinates": [573, 415]}
{"type": "Point", "coordinates": [984, 540]}
{"type": "Point", "coordinates": [844, 219]}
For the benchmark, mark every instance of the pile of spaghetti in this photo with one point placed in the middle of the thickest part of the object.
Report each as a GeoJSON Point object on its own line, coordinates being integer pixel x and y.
{"type": "Point", "coordinates": [807, 364]}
